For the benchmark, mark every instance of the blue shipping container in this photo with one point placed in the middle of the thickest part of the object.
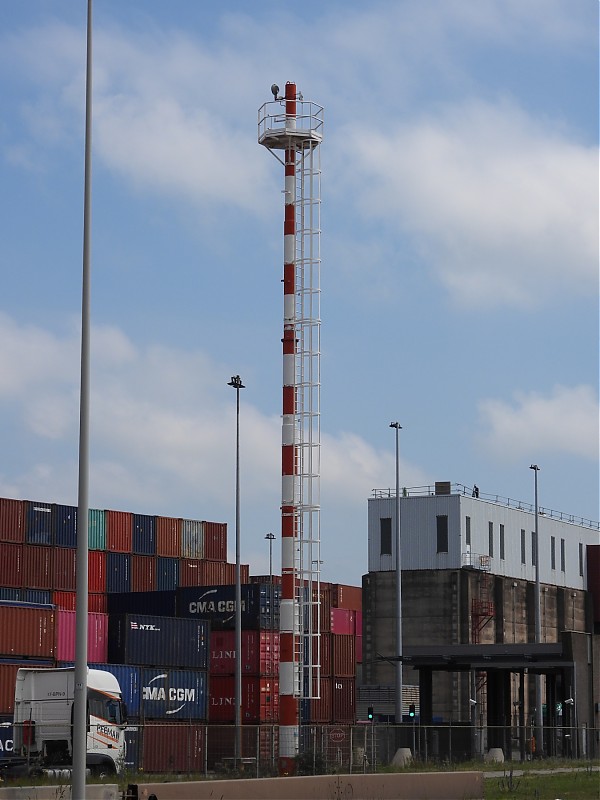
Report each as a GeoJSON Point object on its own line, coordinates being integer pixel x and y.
{"type": "Point", "coordinates": [37, 596]}
{"type": "Point", "coordinates": [133, 747]}
{"type": "Point", "coordinates": [144, 535]}
{"type": "Point", "coordinates": [167, 573]}
{"type": "Point", "coordinates": [129, 681]}
{"type": "Point", "coordinates": [260, 605]}
{"type": "Point", "coordinates": [64, 523]}
{"type": "Point", "coordinates": [118, 572]}
{"type": "Point", "coordinates": [156, 604]}
{"type": "Point", "coordinates": [38, 522]}
{"type": "Point", "coordinates": [149, 641]}
{"type": "Point", "coordinates": [6, 738]}
{"type": "Point", "coordinates": [10, 595]}
{"type": "Point", "coordinates": [174, 694]}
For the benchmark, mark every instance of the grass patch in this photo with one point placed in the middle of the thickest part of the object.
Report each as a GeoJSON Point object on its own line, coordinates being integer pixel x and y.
{"type": "Point", "coordinates": [564, 785]}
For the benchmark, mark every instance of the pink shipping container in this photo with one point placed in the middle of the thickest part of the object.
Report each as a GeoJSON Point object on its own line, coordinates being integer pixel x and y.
{"type": "Point", "coordinates": [63, 568]}
{"type": "Point", "coordinates": [343, 596]}
{"type": "Point", "coordinates": [96, 572]}
{"type": "Point", "coordinates": [143, 573]}
{"type": "Point", "coordinates": [172, 747]}
{"type": "Point", "coordinates": [11, 565]}
{"type": "Point", "coordinates": [27, 631]}
{"type": "Point", "coordinates": [260, 653]}
{"type": "Point", "coordinates": [97, 637]}
{"type": "Point", "coordinates": [119, 531]}
{"type": "Point", "coordinates": [37, 566]}
{"type": "Point", "coordinates": [344, 700]}
{"type": "Point", "coordinates": [12, 521]}
{"type": "Point", "coordinates": [343, 621]}
{"type": "Point", "coordinates": [343, 652]}
{"type": "Point", "coordinates": [260, 699]}
{"type": "Point", "coordinates": [215, 541]}
{"type": "Point", "coordinates": [168, 536]}
{"type": "Point", "coordinates": [8, 677]}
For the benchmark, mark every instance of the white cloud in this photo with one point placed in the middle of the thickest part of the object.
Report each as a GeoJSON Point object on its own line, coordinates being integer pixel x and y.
{"type": "Point", "coordinates": [505, 209]}
{"type": "Point", "coordinates": [565, 421]}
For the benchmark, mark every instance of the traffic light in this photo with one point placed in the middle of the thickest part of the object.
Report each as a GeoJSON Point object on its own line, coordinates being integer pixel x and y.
{"type": "Point", "coordinates": [411, 711]}
{"type": "Point", "coordinates": [370, 713]}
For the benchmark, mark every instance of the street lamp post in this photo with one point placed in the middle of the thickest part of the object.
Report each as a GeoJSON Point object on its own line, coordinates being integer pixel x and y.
{"type": "Point", "coordinates": [398, 707]}
{"type": "Point", "coordinates": [270, 537]}
{"type": "Point", "coordinates": [539, 719]}
{"type": "Point", "coordinates": [237, 384]}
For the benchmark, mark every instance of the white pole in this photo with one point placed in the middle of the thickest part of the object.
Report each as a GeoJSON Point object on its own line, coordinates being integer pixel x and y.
{"type": "Point", "coordinates": [398, 706]}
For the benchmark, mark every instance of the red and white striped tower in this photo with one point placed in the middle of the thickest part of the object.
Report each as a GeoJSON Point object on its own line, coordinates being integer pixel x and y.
{"type": "Point", "coordinates": [298, 132]}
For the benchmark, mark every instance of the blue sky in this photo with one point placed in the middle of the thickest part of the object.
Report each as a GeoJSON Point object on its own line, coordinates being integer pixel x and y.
{"type": "Point", "coordinates": [459, 253]}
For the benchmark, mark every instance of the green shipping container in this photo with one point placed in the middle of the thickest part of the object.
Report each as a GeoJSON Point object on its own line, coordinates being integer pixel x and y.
{"type": "Point", "coordinates": [96, 530]}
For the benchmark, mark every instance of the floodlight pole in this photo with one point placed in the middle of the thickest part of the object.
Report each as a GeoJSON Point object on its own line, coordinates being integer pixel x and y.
{"type": "Point", "coordinates": [271, 538]}
{"type": "Point", "coordinates": [237, 384]}
{"type": "Point", "coordinates": [398, 707]}
{"type": "Point", "coordinates": [539, 717]}
{"type": "Point", "coordinates": [78, 775]}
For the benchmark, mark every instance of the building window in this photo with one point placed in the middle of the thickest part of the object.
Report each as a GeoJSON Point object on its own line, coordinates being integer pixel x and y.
{"type": "Point", "coordinates": [468, 530]}
{"type": "Point", "coordinates": [491, 539]}
{"type": "Point", "coordinates": [580, 558]}
{"type": "Point", "coordinates": [502, 542]}
{"type": "Point", "coordinates": [562, 555]}
{"type": "Point", "coordinates": [533, 541]}
{"type": "Point", "coordinates": [552, 552]}
{"type": "Point", "coordinates": [442, 533]}
{"type": "Point", "coordinates": [385, 524]}
{"type": "Point", "coordinates": [523, 553]}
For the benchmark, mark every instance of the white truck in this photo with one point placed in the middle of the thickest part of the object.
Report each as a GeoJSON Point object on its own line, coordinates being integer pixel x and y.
{"type": "Point", "coordinates": [43, 721]}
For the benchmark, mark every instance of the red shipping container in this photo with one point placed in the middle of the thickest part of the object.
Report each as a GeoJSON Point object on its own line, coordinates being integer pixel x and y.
{"type": "Point", "coordinates": [63, 568]}
{"type": "Point", "coordinates": [8, 677]}
{"type": "Point", "coordinates": [260, 699]}
{"type": "Point", "coordinates": [275, 579]}
{"type": "Point", "coordinates": [343, 596]}
{"type": "Point", "coordinates": [97, 637]}
{"type": "Point", "coordinates": [190, 572]}
{"type": "Point", "coordinates": [12, 521]}
{"type": "Point", "coordinates": [37, 567]}
{"type": "Point", "coordinates": [324, 608]}
{"type": "Point", "coordinates": [143, 573]}
{"type": "Point", "coordinates": [212, 573]}
{"type": "Point", "coordinates": [321, 709]}
{"type": "Point", "coordinates": [344, 700]}
{"type": "Point", "coordinates": [98, 603]}
{"type": "Point", "coordinates": [215, 541]}
{"type": "Point", "coordinates": [27, 631]}
{"type": "Point", "coordinates": [324, 655]}
{"type": "Point", "coordinates": [343, 621]}
{"type": "Point", "coordinates": [68, 601]}
{"type": "Point", "coordinates": [172, 747]}
{"type": "Point", "coordinates": [168, 536]}
{"type": "Point", "coordinates": [260, 653]}
{"type": "Point", "coordinates": [11, 565]}
{"type": "Point", "coordinates": [96, 571]}
{"type": "Point", "coordinates": [343, 653]}
{"type": "Point", "coordinates": [119, 531]}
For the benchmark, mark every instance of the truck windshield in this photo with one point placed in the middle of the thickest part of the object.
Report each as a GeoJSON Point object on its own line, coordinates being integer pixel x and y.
{"type": "Point", "coordinates": [105, 707]}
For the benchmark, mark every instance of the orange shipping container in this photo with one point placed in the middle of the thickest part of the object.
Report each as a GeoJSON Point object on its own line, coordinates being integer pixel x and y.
{"type": "Point", "coordinates": [343, 656]}
{"type": "Point", "coordinates": [119, 531]}
{"type": "Point", "coordinates": [215, 541]}
{"type": "Point", "coordinates": [26, 631]}
{"type": "Point", "coordinates": [343, 596]}
{"type": "Point", "coordinates": [12, 524]}
{"type": "Point", "coordinates": [168, 536]}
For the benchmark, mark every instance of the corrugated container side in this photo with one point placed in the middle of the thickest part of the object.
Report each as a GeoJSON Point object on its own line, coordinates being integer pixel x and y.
{"type": "Point", "coordinates": [323, 654]}
{"type": "Point", "coordinates": [215, 541]}
{"type": "Point", "coordinates": [319, 709]}
{"type": "Point", "coordinates": [260, 605]}
{"type": "Point", "coordinates": [26, 631]}
{"type": "Point", "coordinates": [344, 700]}
{"type": "Point", "coordinates": [96, 571]}
{"type": "Point", "coordinates": [221, 742]}
{"type": "Point", "coordinates": [11, 565]}
{"type": "Point", "coordinates": [158, 641]}
{"type": "Point", "coordinates": [8, 677]}
{"type": "Point", "coordinates": [97, 603]}
{"type": "Point", "coordinates": [192, 538]}
{"type": "Point", "coordinates": [190, 572]}
{"type": "Point", "coordinates": [172, 748]}
{"type": "Point", "coordinates": [342, 621]}
{"type": "Point", "coordinates": [37, 566]}
{"type": "Point", "coordinates": [212, 573]}
{"type": "Point", "coordinates": [343, 596]}
{"type": "Point", "coordinates": [143, 573]}
{"type": "Point", "coordinates": [64, 525]}
{"type": "Point", "coordinates": [97, 648]}
{"type": "Point", "coordinates": [118, 572]}
{"type": "Point", "coordinates": [6, 739]}
{"type": "Point", "coordinates": [260, 699]}
{"type": "Point", "coordinates": [12, 521]}
{"type": "Point", "coordinates": [144, 535]}
{"type": "Point", "coordinates": [260, 653]}
{"type": "Point", "coordinates": [96, 529]}
{"type": "Point", "coordinates": [343, 653]}
{"type": "Point", "coordinates": [133, 748]}
{"type": "Point", "coordinates": [167, 573]}
{"type": "Point", "coordinates": [157, 604]}
{"type": "Point", "coordinates": [9, 595]}
{"type": "Point", "coordinates": [68, 601]}
{"type": "Point", "coordinates": [38, 522]}
{"type": "Point", "coordinates": [174, 694]}
{"type": "Point", "coordinates": [168, 536]}
{"type": "Point", "coordinates": [321, 614]}
{"type": "Point", "coordinates": [119, 531]}
{"type": "Point", "coordinates": [130, 681]}
{"type": "Point", "coordinates": [276, 579]}
{"type": "Point", "coordinates": [36, 596]}
{"type": "Point", "coordinates": [63, 569]}
{"type": "Point", "coordinates": [229, 572]}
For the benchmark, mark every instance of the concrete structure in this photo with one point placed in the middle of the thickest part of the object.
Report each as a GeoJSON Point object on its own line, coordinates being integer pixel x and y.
{"type": "Point", "coordinates": [468, 586]}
